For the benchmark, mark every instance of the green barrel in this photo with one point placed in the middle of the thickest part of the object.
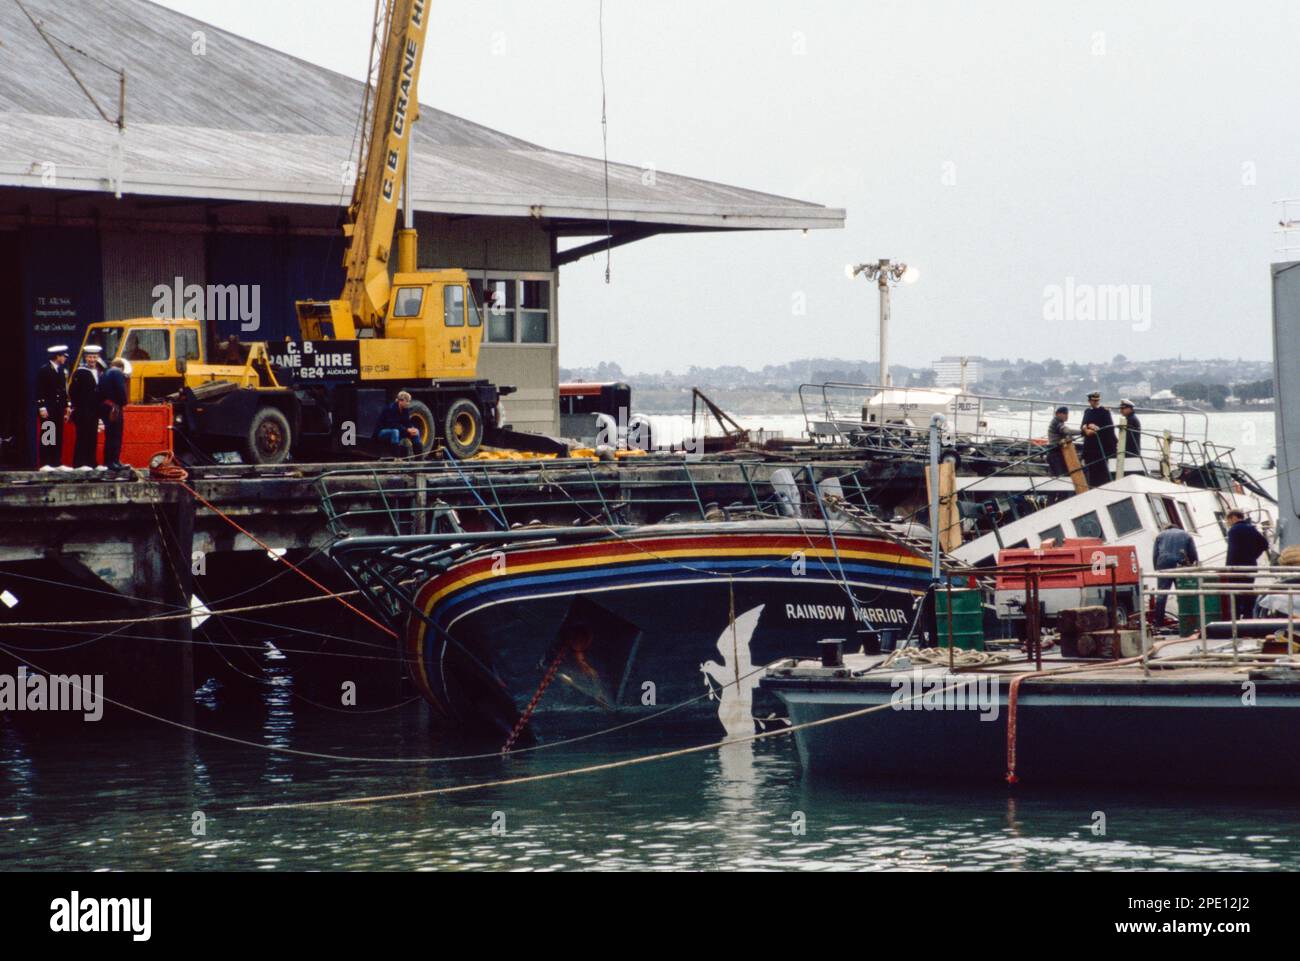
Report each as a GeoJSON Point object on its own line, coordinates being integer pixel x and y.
{"type": "Point", "coordinates": [967, 619]}
{"type": "Point", "coordinates": [1189, 608]}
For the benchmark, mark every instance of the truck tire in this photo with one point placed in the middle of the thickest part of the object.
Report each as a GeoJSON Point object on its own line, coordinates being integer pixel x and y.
{"type": "Point", "coordinates": [424, 420]}
{"type": "Point", "coordinates": [463, 428]}
{"type": "Point", "coordinates": [269, 438]}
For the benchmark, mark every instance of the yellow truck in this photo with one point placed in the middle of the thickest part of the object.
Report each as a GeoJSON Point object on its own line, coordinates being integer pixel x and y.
{"type": "Point", "coordinates": [318, 398]}
{"type": "Point", "coordinates": [390, 330]}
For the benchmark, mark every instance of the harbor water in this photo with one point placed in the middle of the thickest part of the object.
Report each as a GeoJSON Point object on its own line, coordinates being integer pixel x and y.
{"type": "Point", "coordinates": [156, 797]}
{"type": "Point", "coordinates": [110, 799]}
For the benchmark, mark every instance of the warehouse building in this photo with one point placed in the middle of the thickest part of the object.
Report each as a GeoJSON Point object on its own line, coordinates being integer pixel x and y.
{"type": "Point", "coordinates": [221, 162]}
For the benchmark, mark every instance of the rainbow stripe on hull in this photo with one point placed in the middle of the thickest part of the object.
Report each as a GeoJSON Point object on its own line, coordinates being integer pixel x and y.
{"type": "Point", "coordinates": [653, 619]}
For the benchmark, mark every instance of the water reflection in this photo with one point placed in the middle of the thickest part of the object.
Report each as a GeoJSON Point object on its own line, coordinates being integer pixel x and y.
{"type": "Point", "coordinates": [121, 798]}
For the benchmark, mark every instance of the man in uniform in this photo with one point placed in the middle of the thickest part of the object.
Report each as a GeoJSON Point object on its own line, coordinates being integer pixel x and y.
{"type": "Point", "coordinates": [1099, 442]}
{"type": "Point", "coordinates": [1132, 434]}
{"type": "Point", "coordinates": [112, 404]}
{"type": "Point", "coordinates": [84, 394]}
{"type": "Point", "coordinates": [51, 408]}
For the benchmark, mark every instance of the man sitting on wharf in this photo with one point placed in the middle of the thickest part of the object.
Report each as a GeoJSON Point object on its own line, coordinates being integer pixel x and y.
{"type": "Point", "coordinates": [396, 426]}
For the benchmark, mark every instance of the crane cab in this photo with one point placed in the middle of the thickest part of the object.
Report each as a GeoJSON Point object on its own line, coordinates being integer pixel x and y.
{"type": "Point", "coordinates": [432, 331]}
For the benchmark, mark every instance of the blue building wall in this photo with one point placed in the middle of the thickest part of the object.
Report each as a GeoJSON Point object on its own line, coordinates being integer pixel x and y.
{"type": "Point", "coordinates": [283, 268]}
{"type": "Point", "coordinates": [62, 283]}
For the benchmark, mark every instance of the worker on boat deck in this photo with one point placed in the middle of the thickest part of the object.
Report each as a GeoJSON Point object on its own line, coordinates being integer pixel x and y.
{"type": "Point", "coordinates": [83, 392]}
{"type": "Point", "coordinates": [396, 426]}
{"type": "Point", "coordinates": [1245, 544]}
{"type": "Point", "coordinates": [112, 409]}
{"type": "Point", "coordinates": [51, 384]}
{"type": "Point", "coordinates": [1099, 442]}
{"type": "Point", "coordinates": [1174, 548]}
{"type": "Point", "coordinates": [1132, 433]}
{"type": "Point", "coordinates": [1059, 433]}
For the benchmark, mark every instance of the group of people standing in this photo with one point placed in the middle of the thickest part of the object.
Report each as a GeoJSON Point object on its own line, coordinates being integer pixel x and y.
{"type": "Point", "coordinates": [1100, 438]}
{"type": "Point", "coordinates": [94, 395]}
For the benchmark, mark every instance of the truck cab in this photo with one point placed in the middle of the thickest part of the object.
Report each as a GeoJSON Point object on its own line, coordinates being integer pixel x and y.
{"type": "Point", "coordinates": [432, 331]}
{"type": "Point", "coordinates": [168, 354]}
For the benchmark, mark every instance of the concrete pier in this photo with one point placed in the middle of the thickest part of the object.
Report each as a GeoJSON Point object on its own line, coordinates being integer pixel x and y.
{"type": "Point", "coordinates": [75, 547]}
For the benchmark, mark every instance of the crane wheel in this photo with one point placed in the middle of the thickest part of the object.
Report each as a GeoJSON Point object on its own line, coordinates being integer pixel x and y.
{"type": "Point", "coordinates": [269, 438]}
{"type": "Point", "coordinates": [424, 420]}
{"type": "Point", "coordinates": [463, 429]}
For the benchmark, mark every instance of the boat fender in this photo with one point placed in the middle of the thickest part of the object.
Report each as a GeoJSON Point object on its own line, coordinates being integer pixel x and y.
{"type": "Point", "coordinates": [786, 491]}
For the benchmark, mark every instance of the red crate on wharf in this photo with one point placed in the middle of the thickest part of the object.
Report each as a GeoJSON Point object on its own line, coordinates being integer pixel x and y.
{"type": "Point", "coordinates": [147, 430]}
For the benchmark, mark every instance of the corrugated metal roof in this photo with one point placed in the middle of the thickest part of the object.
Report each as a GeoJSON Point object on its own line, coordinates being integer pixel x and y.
{"type": "Point", "coordinates": [245, 122]}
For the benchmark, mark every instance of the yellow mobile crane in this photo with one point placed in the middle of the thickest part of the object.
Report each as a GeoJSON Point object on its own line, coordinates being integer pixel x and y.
{"type": "Point", "coordinates": [417, 331]}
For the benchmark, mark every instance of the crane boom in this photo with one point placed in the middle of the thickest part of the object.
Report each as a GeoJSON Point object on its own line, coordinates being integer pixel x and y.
{"type": "Point", "coordinates": [385, 153]}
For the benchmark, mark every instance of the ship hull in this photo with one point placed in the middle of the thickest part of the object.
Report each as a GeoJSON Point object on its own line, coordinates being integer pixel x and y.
{"type": "Point", "coordinates": [672, 624]}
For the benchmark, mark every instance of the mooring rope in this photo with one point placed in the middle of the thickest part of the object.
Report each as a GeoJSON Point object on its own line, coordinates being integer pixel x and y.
{"type": "Point", "coordinates": [301, 573]}
{"type": "Point", "coordinates": [1013, 694]}
{"type": "Point", "coordinates": [891, 704]}
{"type": "Point", "coordinates": [317, 755]}
{"type": "Point", "coordinates": [526, 715]}
{"type": "Point", "coordinates": [177, 617]}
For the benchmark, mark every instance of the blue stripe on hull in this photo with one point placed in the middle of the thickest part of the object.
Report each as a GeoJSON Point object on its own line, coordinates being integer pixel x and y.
{"type": "Point", "coordinates": [508, 587]}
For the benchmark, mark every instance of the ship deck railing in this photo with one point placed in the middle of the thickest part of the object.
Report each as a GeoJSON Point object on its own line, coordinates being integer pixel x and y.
{"type": "Point", "coordinates": [419, 520]}
{"type": "Point", "coordinates": [414, 497]}
{"type": "Point", "coordinates": [833, 413]}
{"type": "Point", "coordinates": [1199, 464]}
{"type": "Point", "coordinates": [1225, 582]}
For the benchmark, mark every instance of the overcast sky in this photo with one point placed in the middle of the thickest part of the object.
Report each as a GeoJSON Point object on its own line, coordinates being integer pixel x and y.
{"type": "Point", "coordinates": [1019, 153]}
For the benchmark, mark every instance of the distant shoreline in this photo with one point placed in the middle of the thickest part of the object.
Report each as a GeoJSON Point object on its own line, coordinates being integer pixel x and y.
{"type": "Point", "coordinates": [758, 402]}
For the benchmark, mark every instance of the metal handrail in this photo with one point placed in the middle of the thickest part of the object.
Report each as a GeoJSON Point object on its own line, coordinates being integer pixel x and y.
{"type": "Point", "coordinates": [1033, 404]}
{"type": "Point", "coordinates": [404, 496]}
{"type": "Point", "coordinates": [1226, 580]}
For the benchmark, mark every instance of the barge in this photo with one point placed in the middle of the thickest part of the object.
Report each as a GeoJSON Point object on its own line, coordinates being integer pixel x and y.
{"type": "Point", "coordinates": [1190, 714]}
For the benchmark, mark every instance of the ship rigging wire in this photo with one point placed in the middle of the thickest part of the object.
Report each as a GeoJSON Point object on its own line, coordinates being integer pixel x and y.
{"type": "Point", "coordinates": [604, 136]}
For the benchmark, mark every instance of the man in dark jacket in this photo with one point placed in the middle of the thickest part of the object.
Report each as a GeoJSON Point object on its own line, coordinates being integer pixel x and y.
{"type": "Point", "coordinates": [83, 392]}
{"type": "Point", "coordinates": [1059, 433]}
{"type": "Point", "coordinates": [1174, 547]}
{"type": "Point", "coordinates": [1245, 544]}
{"type": "Point", "coordinates": [1099, 442]}
{"type": "Point", "coordinates": [112, 404]}
{"type": "Point", "coordinates": [396, 425]}
{"type": "Point", "coordinates": [51, 384]}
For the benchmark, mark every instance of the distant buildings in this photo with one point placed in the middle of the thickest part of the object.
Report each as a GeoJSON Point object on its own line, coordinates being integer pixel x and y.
{"type": "Point", "coordinates": [1140, 389]}
{"type": "Point", "coordinates": [948, 371]}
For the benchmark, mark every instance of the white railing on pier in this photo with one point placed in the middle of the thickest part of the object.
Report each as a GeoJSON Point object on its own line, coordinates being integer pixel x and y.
{"type": "Point", "coordinates": [1274, 581]}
